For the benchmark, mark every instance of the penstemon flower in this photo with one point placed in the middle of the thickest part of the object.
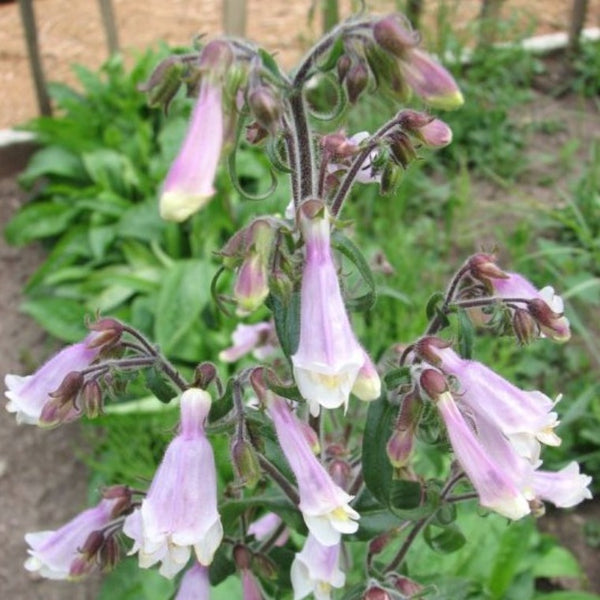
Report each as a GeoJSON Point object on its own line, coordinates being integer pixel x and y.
{"type": "Point", "coordinates": [526, 418]}
{"type": "Point", "coordinates": [315, 570]}
{"type": "Point", "coordinates": [265, 526]}
{"type": "Point", "coordinates": [195, 584]}
{"type": "Point", "coordinates": [329, 358]}
{"type": "Point", "coordinates": [55, 554]}
{"type": "Point", "coordinates": [324, 505]}
{"type": "Point", "coordinates": [29, 394]}
{"type": "Point", "coordinates": [258, 338]}
{"type": "Point", "coordinates": [180, 509]}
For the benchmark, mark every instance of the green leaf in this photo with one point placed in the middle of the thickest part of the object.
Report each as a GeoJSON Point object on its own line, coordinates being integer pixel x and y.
{"type": "Point", "coordinates": [53, 160]}
{"type": "Point", "coordinates": [269, 62]}
{"type": "Point", "coordinates": [286, 314]}
{"type": "Point", "coordinates": [513, 546]}
{"type": "Point", "coordinates": [39, 220]}
{"type": "Point", "coordinates": [157, 384]}
{"type": "Point", "coordinates": [377, 468]}
{"type": "Point", "coordinates": [111, 170]}
{"type": "Point", "coordinates": [345, 246]}
{"type": "Point", "coordinates": [183, 294]}
{"type": "Point", "coordinates": [61, 317]}
{"type": "Point", "coordinates": [449, 539]}
{"type": "Point", "coordinates": [431, 309]}
{"type": "Point", "coordinates": [466, 333]}
{"type": "Point", "coordinates": [337, 49]}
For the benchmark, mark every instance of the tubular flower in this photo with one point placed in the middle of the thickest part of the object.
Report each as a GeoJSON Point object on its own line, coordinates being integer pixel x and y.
{"type": "Point", "coordinates": [195, 584]}
{"type": "Point", "coordinates": [259, 339]}
{"type": "Point", "coordinates": [545, 306]}
{"type": "Point", "coordinates": [565, 488]}
{"type": "Point", "coordinates": [329, 357]}
{"type": "Point", "coordinates": [189, 183]}
{"type": "Point", "coordinates": [250, 587]}
{"type": "Point", "coordinates": [324, 505]}
{"type": "Point", "coordinates": [180, 509]}
{"type": "Point", "coordinates": [265, 526]}
{"type": "Point", "coordinates": [315, 570]}
{"type": "Point", "coordinates": [54, 553]}
{"type": "Point", "coordinates": [29, 394]}
{"type": "Point", "coordinates": [526, 418]}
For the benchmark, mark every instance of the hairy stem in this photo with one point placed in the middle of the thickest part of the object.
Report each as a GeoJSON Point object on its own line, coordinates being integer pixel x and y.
{"type": "Point", "coordinates": [304, 148]}
{"type": "Point", "coordinates": [287, 488]}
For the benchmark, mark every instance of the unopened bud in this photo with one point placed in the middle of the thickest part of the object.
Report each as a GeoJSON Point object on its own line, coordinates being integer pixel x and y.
{"type": "Point", "coordinates": [426, 348]}
{"type": "Point", "coordinates": [524, 326]}
{"type": "Point", "coordinates": [376, 593]}
{"type": "Point", "coordinates": [483, 267]}
{"type": "Point", "coordinates": [68, 389]}
{"type": "Point", "coordinates": [367, 385]}
{"type": "Point", "coordinates": [251, 286]}
{"type": "Point", "coordinates": [356, 81]}
{"type": "Point", "coordinates": [217, 55]}
{"type": "Point", "coordinates": [403, 151]}
{"type": "Point", "coordinates": [264, 566]}
{"type": "Point", "coordinates": [91, 399]}
{"type": "Point", "coordinates": [110, 554]}
{"type": "Point", "coordinates": [245, 462]}
{"type": "Point", "coordinates": [435, 134]}
{"type": "Point", "coordinates": [390, 178]}
{"type": "Point", "coordinates": [343, 66]}
{"type": "Point", "coordinates": [407, 587]}
{"type": "Point", "coordinates": [204, 374]}
{"type": "Point", "coordinates": [266, 108]}
{"type": "Point", "coordinates": [242, 556]}
{"type": "Point", "coordinates": [379, 543]}
{"type": "Point", "coordinates": [340, 472]}
{"type": "Point", "coordinates": [109, 332]}
{"type": "Point", "coordinates": [399, 447]}
{"type": "Point", "coordinates": [433, 383]}
{"type": "Point", "coordinates": [552, 324]}
{"type": "Point", "coordinates": [337, 145]}
{"type": "Point", "coordinates": [92, 544]}
{"type": "Point", "coordinates": [164, 82]}
{"type": "Point", "coordinates": [393, 36]}
{"type": "Point", "coordinates": [255, 133]}
{"type": "Point", "coordinates": [116, 491]}
{"type": "Point", "coordinates": [429, 80]}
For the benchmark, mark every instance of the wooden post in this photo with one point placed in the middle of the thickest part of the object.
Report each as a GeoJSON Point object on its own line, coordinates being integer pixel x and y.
{"type": "Point", "coordinates": [234, 17]}
{"type": "Point", "coordinates": [35, 60]}
{"type": "Point", "coordinates": [576, 24]}
{"type": "Point", "coordinates": [110, 27]}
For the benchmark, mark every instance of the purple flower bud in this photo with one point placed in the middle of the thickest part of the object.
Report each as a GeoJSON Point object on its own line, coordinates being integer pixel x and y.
{"type": "Point", "coordinates": [356, 81]}
{"type": "Point", "coordinates": [399, 447]}
{"type": "Point", "coordinates": [189, 183]}
{"type": "Point", "coordinates": [266, 108]}
{"type": "Point", "coordinates": [180, 509]}
{"type": "Point", "coordinates": [53, 553]}
{"type": "Point", "coordinates": [29, 394]}
{"type": "Point", "coordinates": [315, 570]}
{"type": "Point", "coordinates": [367, 386]}
{"type": "Point", "coordinates": [395, 37]}
{"type": "Point", "coordinates": [252, 284]}
{"type": "Point", "coordinates": [435, 134]}
{"type": "Point", "coordinates": [195, 584]}
{"type": "Point", "coordinates": [245, 462]}
{"type": "Point", "coordinates": [430, 81]}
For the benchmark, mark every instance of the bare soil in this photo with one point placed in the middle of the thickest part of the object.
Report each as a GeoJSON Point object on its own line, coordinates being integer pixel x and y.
{"type": "Point", "coordinates": [71, 32]}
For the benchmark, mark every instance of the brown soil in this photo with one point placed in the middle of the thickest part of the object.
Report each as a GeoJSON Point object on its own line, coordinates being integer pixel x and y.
{"type": "Point", "coordinates": [71, 32]}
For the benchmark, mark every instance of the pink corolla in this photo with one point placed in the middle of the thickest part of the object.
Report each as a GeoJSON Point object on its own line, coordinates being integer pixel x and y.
{"type": "Point", "coordinates": [189, 183]}
{"type": "Point", "coordinates": [526, 418]}
{"type": "Point", "coordinates": [29, 394]}
{"type": "Point", "coordinates": [179, 511]}
{"type": "Point", "coordinates": [250, 586]}
{"type": "Point", "coordinates": [265, 526]}
{"type": "Point", "coordinates": [329, 357]}
{"type": "Point", "coordinates": [315, 570]}
{"type": "Point", "coordinates": [195, 584]}
{"type": "Point", "coordinates": [259, 339]}
{"type": "Point", "coordinates": [324, 505]}
{"type": "Point", "coordinates": [544, 305]}
{"type": "Point", "coordinates": [54, 554]}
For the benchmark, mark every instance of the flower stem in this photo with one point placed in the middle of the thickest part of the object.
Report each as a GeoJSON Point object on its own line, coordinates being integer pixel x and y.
{"type": "Point", "coordinates": [279, 479]}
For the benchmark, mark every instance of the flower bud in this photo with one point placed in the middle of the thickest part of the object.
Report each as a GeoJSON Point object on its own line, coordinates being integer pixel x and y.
{"type": "Point", "coordinates": [399, 447]}
{"type": "Point", "coordinates": [338, 146]}
{"type": "Point", "coordinates": [367, 385]}
{"type": "Point", "coordinates": [251, 287]}
{"type": "Point", "coordinates": [245, 462]}
{"type": "Point", "coordinates": [435, 134]}
{"type": "Point", "coordinates": [524, 325]}
{"type": "Point", "coordinates": [343, 66]}
{"type": "Point", "coordinates": [217, 56]}
{"type": "Point", "coordinates": [356, 81]}
{"type": "Point", "coordinates": [68, 389]}
{"type": "Point", "coordinates": [109, 333]}
{"type": "Point", "coordinates": [264, 566]}
{"type": "Point", "coordinates": [483, 267]}
{"type": "Point", "coordinates": [91, 399]}
{"type": "Point", "coordinates": [242, 556]}
{"type": "Point", "coordinates": [551, 323]}
{"type": "Point", "coordinates": [204, 374]}
{"type": "Point", "coordinates": [266, 108]}
{"type": "Point", "coordinates": [403, 151]}
{"type": "Point", "coordinates": [407, 587]}
{"type": "Point", "coordinates": [426, 347]}
{"type": "Point", "coordinates": [433, 383]}
{"type": "Point", "coordinates": [92, 544]}
{"type": "Point", "coordinates": [255, 133]}
{"type": "Point", "coordinates": [392, 36]}
{"type": "Point", "coordinates": [432, 82]}
{"type": "Point", "coordinates": [379, 543]}
{"type": "Point", "coordinates": [390, 177]}
{"type": "Point", "coordinates": [376, 593]}
{"type": "Point", "coordinates": [110, 554]}
{"type": "Point", "coordinates": [340, 472]}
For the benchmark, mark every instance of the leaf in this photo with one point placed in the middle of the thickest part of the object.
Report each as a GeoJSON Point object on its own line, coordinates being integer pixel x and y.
{"type": "Point", "coordinates": [377, 468]}
{"type": "Point", "coordinates": [466, 334]}
{"type": "Point", "coordinates": [337, 49]}
{"type": "Point", "coordinates": [53, 160]}
{"type": "Point", "coordinates": [111, 170]}
{"type": "Point", "coordinates": [269, 62]}
{"type": "Point", "coordinates": [286, 314]}
{"type": "Point", "coordinates": [448, 540]}
{"type": "Point", "coordinates": [431, 309]}
{"type": "Point", "coordinates": [157, 384]}
{"type": "Point", "coordinates": [183, 294]}
{"type": "Point", "coordinates": [39, 220]}
{"type": "Point", "coordinates": [62, 317]}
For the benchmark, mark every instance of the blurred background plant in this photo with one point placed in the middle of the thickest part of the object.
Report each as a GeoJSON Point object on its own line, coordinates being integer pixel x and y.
{"type": "Point", "coordinates": [94, 185]}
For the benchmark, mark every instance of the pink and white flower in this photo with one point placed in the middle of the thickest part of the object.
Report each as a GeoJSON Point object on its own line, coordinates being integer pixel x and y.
{"type": "Point", "coordinates": [195, 584]}
{"type": "Point", "coordinates": [29, 394]}
{"type": "Point", "coordinates": [329, 358]}
{"type": "Point", "coordinates": [179, 511]}
{"type": "Point", "coordinates": [259, 339]}
{"type": "Point", "coordinates": [315, 570]}
{"type": "Point", "coordinates": [324, 505]}
{"type": "Point", "coordinates": [54, 553]}
{"type": "Point", "coordinates": [265, 526]}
